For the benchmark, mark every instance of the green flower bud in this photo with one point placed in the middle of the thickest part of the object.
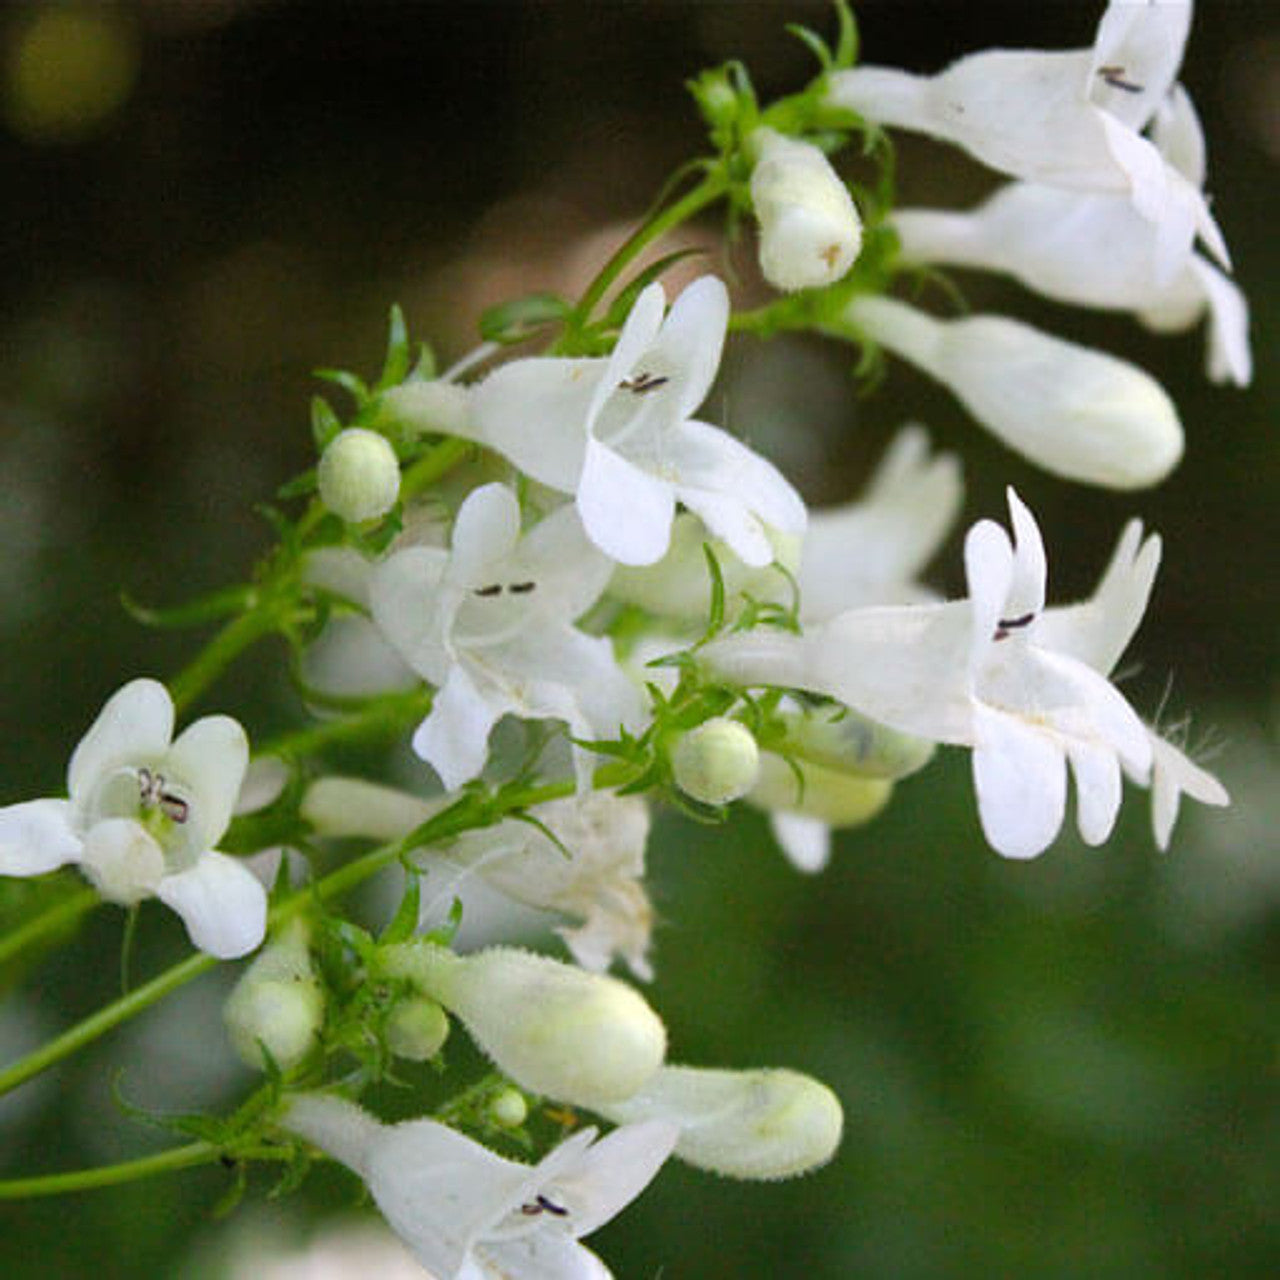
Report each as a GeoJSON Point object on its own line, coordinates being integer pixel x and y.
{"type": "Point", "coordinates": [278, 1003]}
{"type": "Point", "coordinates": [359, 475]}
{"type": "Point", "coordinates": [762, 1124]}
{"type": "Point", "coordinates": [842, 740]}
{"type": "Point", "coordinates": [508, 1108]}
{"type": "Point", "coordinates": [717, 762]}
{"type": "Point", "coordinates": [417, 1029]}
{"type": "Point", "coordinates": [575, 1036]}
{"type": "Point", "coordinates": [838, 799]}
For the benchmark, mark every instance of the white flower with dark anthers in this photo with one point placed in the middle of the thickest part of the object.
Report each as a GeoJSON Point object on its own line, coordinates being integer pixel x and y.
{"type": "Point", "coordinates": [1076, 412]}
{"type": "Point", "coordinates": [490, 624]}
{"type": "Point", "coordinates": [617, 433]}
{"type": "Point", "coordinates": [1069, 119]}
{"type": "Point", "coordinates": [976, 673]}
{"type": "Point", "coordinates": [870, 551]}
{"type": "Point", "coordinates": [143, 814]}
{"type": "Point", "coordinates": [468, 1214]}
{"type": "Point", "coordinates": [1097, 631]}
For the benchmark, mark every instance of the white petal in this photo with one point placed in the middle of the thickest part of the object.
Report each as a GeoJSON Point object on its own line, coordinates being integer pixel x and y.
{"type": "Point", "coordinates": [806, 841]}
{"type": "Point", "coordinates": [1020, 775]}
{"type": "Point", "coordinates": [1097, 775]}
{"type": "Point", "coordinates": [1145, 41]}
{"type": "Point", "coordinates": [222, 904]}
{"type": "Point", "coordinates": [341, 570]}
{"type": "Point", "coordinates": [729, 520]}
{"type": "Point", "coordinates": [1172, 775]}
{"type": "Point", "coordinates": [634, 342]}
{"type": "Point", "coordinates": [614, 1171]}
{"type": "Point", "coordinates": [485, 532]}
{"type": "Point", "coordinates": [988, 568]}
{"type": "Point", "coordinates": [454, 738]}
{"type": "Point", "coordinates": [36, 836]}
{"type": "Point", "coordinates": [413, 609]}
{"type": "Point", "coordinates": [122, 861]}
{"type": "Point", "coordinates": [1178, 136]}
{"type": "Point", "coordinates": [571, 573]}
{"type": "Point", "coordinates": [540, 1255]}
{"type": "Point", "coordinates": [534, 412]}
{"type": "Point", "coordinates": [1026, 589]}
{"type": "Point", "coordinates": [343, 1130]}
{"type": "Point", "coordinates": [691, 340]}
{"type": "Point", "coordinates": [133, 728]}
{"type": "Point", "coordinates": [210, 757]}
{"type": "Point", "coordinates": [626, 512]}
{"type": "Point", "coordinates": [1230, 359]}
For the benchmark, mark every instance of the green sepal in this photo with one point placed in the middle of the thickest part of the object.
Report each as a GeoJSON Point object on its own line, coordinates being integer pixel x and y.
{"type": "Point", "coordinates": [514, 321]}
{"type": "Point", "coordinates": [324, 423]}
{"type": "Point", "coordinates": [404, 924]}
{"type": "Point", "coordinates": [195, 613]}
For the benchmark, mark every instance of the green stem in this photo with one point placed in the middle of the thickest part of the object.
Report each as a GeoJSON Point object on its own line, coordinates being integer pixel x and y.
{"type": "Point", "coordinates": [710, 189]}
{"type": "Point", "coordinates": [432, 466]}
{"type": "Point", "coordinates": [56, 1184]}
{"type": "Point", "coordinates": [62, 915]}
{"type": "Point", "coordinates": [448, 823]}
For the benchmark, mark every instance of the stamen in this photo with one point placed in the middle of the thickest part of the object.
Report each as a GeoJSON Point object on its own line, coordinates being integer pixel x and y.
{"type": "Point", "coordinates": [1114, 76]}
{"type": "Point", "coordinates": [174, 807]}
{"type": "Point", "coordinates": [644, 382]}
{"type": "Point", "coordinates": [543, 1205]}
{"type": "Point", "coordinates": [521, 588]}
{"type": "Point", "coordinates": [1007, 625]}
{"type": "Point", "coordinates": [489, 592]}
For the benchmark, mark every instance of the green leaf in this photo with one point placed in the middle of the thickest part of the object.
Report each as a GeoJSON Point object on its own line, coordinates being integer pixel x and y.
{"type": "Point", "coordinates": [396, 365]}
{"type": "Point", "coordinates": [404, 924]}
{"type": "Point", "coordinates": [813, 42]}
{"type": "Point", "coordinates": [324, 423]}
{"type": "Point", "coordinates": [715, 611]}
{"type": "Point", "coordinates": [514, 321]}
{"type": "Point", "coordinates": [351, 383]}
{"type": "Point", "coordinates": [847, 41]}
{"type": "Point", "coordinates": [299, 487]}
{"type": "Point", "coordinates": [195, 613]}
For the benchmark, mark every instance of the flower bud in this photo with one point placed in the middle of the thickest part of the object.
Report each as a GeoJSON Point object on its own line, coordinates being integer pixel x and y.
{"type": "Point", "coordinates": [836, 798]}
{"type": "Point", "coordinates": [508, 1108]}
{"type": "Point", "coordinates": [810, 232]}
{"type": "Point", "coordinates": [762, 1124]}
{"type": "Point", "coordinates": [278, 1003]}
{"type": "Point", "coordinates": [426, 407]}
{"type": "Point", "coordinates": [352, 807]}
{"type": "Point", "coordinates": [839, 739]}
{"type": "Point", "coordinates": [1075, 412]}
{"type": "Point", "coordinates": [575, 1036]}
{"type": "Point", "coordinates": [417, 1029]}
{"type": "Point", "coordinates": [359, 475]}
{"type": "Point", "coordinates": [717, 762]}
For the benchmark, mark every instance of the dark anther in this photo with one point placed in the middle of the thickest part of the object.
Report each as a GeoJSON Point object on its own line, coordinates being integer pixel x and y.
{"type": "Point", "coordinates": [174, 807]}
{"type": "Point", "coordinates": [643, 382]}
{"type": "Point", "coordinates": [521, 588]}
{"type": "Point", "coordinates": [1114, 76]}
{"type": "Point", "coordinates": [543, 1205]}
{"type": "Point", "coordinates": [1006, 625]}
{"type": "Point", "coordinates": [489, 592]}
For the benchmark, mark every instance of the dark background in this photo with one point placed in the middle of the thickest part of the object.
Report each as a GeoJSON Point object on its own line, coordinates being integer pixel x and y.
{"type": "Point", "coordinates": [1062, 1069]}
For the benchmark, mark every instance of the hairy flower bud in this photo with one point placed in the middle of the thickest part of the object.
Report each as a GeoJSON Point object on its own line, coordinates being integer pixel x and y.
{"type": "Point", "coordinates": [417, 1029]}
{"type": "Point", "coordinates": [277, 1004]}
{"type": "Point", "coordinates": [580, 1037]}
{"type": "Point", "coordinates": [1075, 412]}
{"type": "Point", "coordinates": [717, 762]}
{"type": "Point", "coordinates": [359, 475]}
{"type": "Point", "coordinates": [764, 1124]}
{"type": "Point", "coordinates": [810, 232]}
{"type": "Point", "coordinates": [508, 1108]}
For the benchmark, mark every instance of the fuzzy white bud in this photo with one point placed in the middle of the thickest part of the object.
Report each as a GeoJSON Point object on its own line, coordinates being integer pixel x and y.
{"type": "Point", "coordinates": [763, 1124]}
{"type": "Point", "coordinates": [1076, 412]}
{"type": "Point", "coordinates": [508, 1108]}
{"type": "Point", "coordinates": [810, 232]}
{"type": "Point", "coordinates": [359, 475]}
{"type": "Point", "coordinates": [417, 1029]}
{"type": "Point", "coordinates": [278, 1002]}
{"type": "Point", "coordinates": [554, 1029]}
{"type": "Point", "coordinates": [717, 762]}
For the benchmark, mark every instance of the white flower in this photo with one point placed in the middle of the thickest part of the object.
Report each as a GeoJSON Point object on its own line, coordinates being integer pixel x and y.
{"type": "Point", "coordinates": [871, 551]}
{"type": "Point", "coordinates": [974, 672]}
{"type": "Point", "coordinates": [595, 873]}
{"type": "Point", "coordinates": [1098, 631]}
{"type": "Point", "coordinates": [490, 624]}
{"type": "Point", "coordinates": [143, 816]}
{"type": "Point", "coordinates": [617, 433]}
{"type": "Point", "coordinates": [810, 232]}
{"type": "Point", "coordinates": [468, 1214]}
{"type": "Point", "coordinates": [1068, 119]}
{"type": "Point", "coordinates": [1075, 412]}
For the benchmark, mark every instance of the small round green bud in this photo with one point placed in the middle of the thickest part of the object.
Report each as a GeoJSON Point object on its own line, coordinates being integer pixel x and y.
{"type": "Point", "coordinates": [359, 475]}
{"type": "Point", "coordinates": [417, 1029]}
{"type": "Point", "coordinates": [716, 762]}
{"type": "Point", "coordinates": [508, 1108]}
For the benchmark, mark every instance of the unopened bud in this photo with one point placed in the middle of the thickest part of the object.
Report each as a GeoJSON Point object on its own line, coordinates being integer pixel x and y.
{"type": "Point", "coordinates": [417, 1029]}
{"type": "Point", "coordinates": [762, 1124]}
{"type": "Point", "coordinates": [810, 232]}
{"type": "Point", "coordinates": [359, 475]}
{"type": "Point", "coordinates": [278, 1003]}
{"type": "Point", "coordinates": [353, 807]}
{"type": "Point", "coordinates": [556, 1030]}
{"type": "Point", "coordinates": [426, 407]}
{"type": "Point", "coordinates": [840, 739]}
{"type": "Point", "coordinates": [839, 799]}
{"type": "Point", "coordinates": [508, 1108]}
{"type": "Point", "coordinates": [717, 762]}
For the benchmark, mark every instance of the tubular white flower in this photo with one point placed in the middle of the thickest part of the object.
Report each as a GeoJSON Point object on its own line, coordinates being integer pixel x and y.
{"type": "Point", "coordinates": [617, 433]}
{"type": "Point", "coordinates": [810, 232]}
{"type": "Point", "coordinates": [466, 1212]}
{"type": "Point", "coordinates": [425, 406]}
{"type": "Point", "coordinates": [979, 673]}
{"type": "Point", "coordinates": [579, 1037]}
{"type": "Point", "coordinates": [1075, 412]}
{"type": "Point", "coordinates": [490, 624]}
{"type": "Point", "coordinates": [143, 815]}
{"type": "Point", "coordinates": [359, 475]}
{"type": "Point", "coordinates": [762, 1125]}
{"type": "Point", "coordinates": [1068, 119]}
{"type": "Point", "coordinates": [341, 807]}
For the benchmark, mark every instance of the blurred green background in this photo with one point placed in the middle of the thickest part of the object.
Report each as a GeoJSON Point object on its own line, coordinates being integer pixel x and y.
{"type": "Point", "coordinates": [1060, 1069]}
